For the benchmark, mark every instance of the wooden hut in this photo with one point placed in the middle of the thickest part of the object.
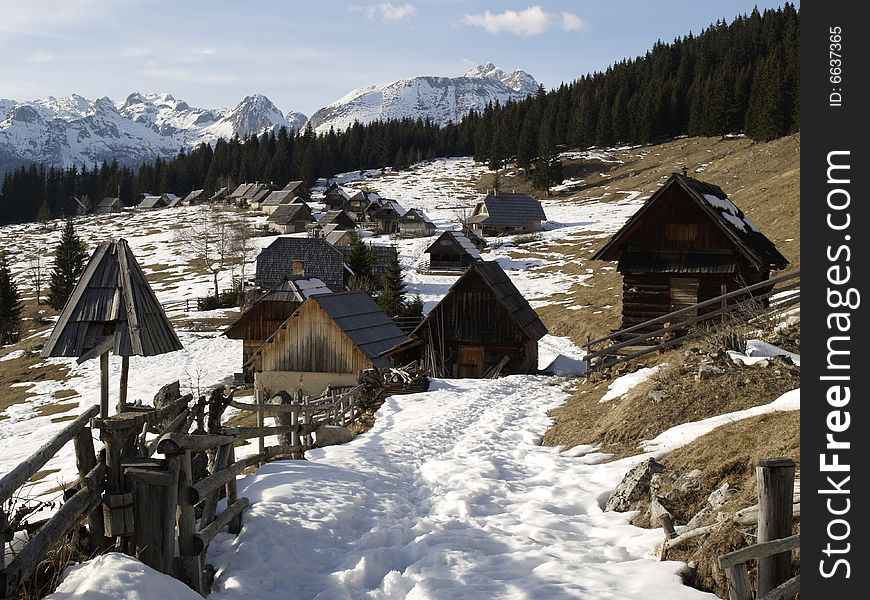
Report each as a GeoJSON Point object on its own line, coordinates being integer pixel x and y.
{"type": "Point", "coordinates": [109, 205]}
{"type": "Point", "coordinates": [688, 243]}
{"type": "Point", "coordinates": [329, 340]}
{"type": "Point", "coordinates": [74, 206]}
{"type": "Point", "coordinates": [220, 195]}
{"type": "Point", "coordinates": [335, 197]}
{"type": "Point", "coordinates": [474, 237]}
{"type": "Point", "coordinates": [299, 189]}
{"type": "Point", "coordinates": [112, 309]}
{"type": "Point", "coordinates": [452, 252]}
{"type": "Point", "coordinates": [193, 198]}
{"type": "Point", "coordinates": [265, 315]}
{"type": "Point", "coordinates": [289, 218]}
{"type": "Point", "coordinates": [482, 325]}
{"type": "Point", "coordinates": [301, 257]}
{"type": "Point", "coordinates": [151, 203]}
{"type": "Point", "coordinates": [507, 214]}
{"type": "Point", "coordinates": [339, 218]}
{"type": "Point", "coordinates": [415, 224]}
{"type": "Point", "coordinates": [340, 238]}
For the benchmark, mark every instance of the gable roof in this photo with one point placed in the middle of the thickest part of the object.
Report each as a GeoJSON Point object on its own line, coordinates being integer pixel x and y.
{"type": "Point", "coordinates": [455, 240]}
{"type": "Point", "coordinates": [193, 195]}
{"type": "Point", "coordinates": [335, 236]}
{"type": "Point", "coordinates": [716, 204]}
{"type": "Point", "coordinates": [337, 217]}
{"type": "Point", "coordinates": [109, 202]}
{"type": "Point", "coordinates": [279, 197]}
{"type": "Point", "coordinates": [416, 215]}
{"type": "Point", "coordinates": [321, 260]}
{"type": "Point", "coordinates": [152, 202]}
{"type": "Point", "coordinates": [112, 301]}
{"type": "Point", "coordinates": [221, 193]}
{"type": "Point", "coordinates": [363, 321]}
{"type": "Point", "coordinates": [293, 185]}
{"type": "Point", "coordinates": [509, 209]}
{"type": "Point", "coordinates": [288, 213]}
{"type": "Point", "coordinates": [505, 292]}
{"type": "Point", "coordinates": [241, 190]}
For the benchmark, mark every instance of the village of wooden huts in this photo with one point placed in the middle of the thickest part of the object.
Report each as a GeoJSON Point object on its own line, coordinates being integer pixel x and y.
{"type": "Point", "coordinates": [262, 318]}
{"type": "Point", "coordinates": [688, 243]}
{"type": "Point", "coordinates": [505, 213]}
{"type": "Point", "coordinates": [452, 252]}
{"type": "Point", "coordinates": [482, 327]}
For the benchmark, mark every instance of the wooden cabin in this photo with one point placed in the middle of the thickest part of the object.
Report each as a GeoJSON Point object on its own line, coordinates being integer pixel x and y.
{"type": "Point", "coordinates": [301, 257]}
{"type": "Point", "coordinates": [507, 214]}
{"type": "Point", "coordinates": [415, 224]}
{"type": "Point", "coordinates": [290, 218]}
{"type": "Point", "coordinates": [299, 189]}
{"type": "Point", "coordinates": [328, 341]}
{"type": "Point", "coordinates": [74, 206]}
{"type": "Point", "coordinates": [109, 205]}
{"type": "Point", "coordinates": [383, 257]}
{"type": "Point", "coordinates": [451, 252]}
{"type": "Point", "coordinates": [340, 238]}
{"type": "Point", "coordinates": [265, 315]}
{"type": "Point", "coordinates": [152, 202]}
{"type": "Point", "coordinates": [481, 323]}
{"type": "Point", "coordinates": [686, 244]}
{"type": "Point", "coordinates": [335, 197]}
{"type": "Point", "coordinates": [272, 200]}
{"type": "Point", "coordinates": [474, 237]}
{"type": "Point", "coordinates": [193, 198]}
{"type": "Point", "coordinates": [338, 218]}
{"type": "Point", "coordinates": [220, 195]}
{"type": "Point", "coordinates": [386, 217]}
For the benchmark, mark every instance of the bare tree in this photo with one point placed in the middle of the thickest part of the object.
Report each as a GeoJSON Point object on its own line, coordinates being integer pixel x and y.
{"type": "Point", "coordinates": [242, 247]}
{"type": "Point", "coordinates": [36, 269]}
{"type": "Point", "coordinates": [209, 237]}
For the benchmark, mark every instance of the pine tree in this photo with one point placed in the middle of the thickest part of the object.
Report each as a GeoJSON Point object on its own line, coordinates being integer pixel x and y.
{"type": "Point", "coordinates": [69, 262]}
{"type": "Point", "coordinates": [360, 258]}
{"type": "Point", "coordinates": [10, 305]}
{"type": "Point", "coordinates": [391, 298]}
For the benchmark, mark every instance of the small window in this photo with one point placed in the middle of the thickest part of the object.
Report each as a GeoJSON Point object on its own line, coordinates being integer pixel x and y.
{"type": "Point", "coordinates": [298, 267]}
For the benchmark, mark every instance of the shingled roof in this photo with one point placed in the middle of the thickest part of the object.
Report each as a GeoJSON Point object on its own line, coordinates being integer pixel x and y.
{"type": "Point", "coordinates": [296, 290]}
{"type": "Point", "coordinates": [508, 209]}
{"type": "Point", "coordinates": [288, 213]}
{"type": "Point", "coordinates": [718, 206]}
{"type": "Point", "coordinates": [453, 241]}
{"type": "Point", "coordinates": [112, 303]}
{"type": "Point", "coordinates": [279, 197]}
{"type": "Point", "coordinates": [320, 260]}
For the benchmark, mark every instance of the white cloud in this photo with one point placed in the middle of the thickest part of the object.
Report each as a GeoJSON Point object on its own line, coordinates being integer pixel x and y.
{"type": "Point", "coordinates": [526, 23]}
{"type": "Point", "coordinates": [387, 11]}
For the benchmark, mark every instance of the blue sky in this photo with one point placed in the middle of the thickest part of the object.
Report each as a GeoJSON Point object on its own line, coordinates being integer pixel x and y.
{"type": "Point", "coordinates": [304, 55]}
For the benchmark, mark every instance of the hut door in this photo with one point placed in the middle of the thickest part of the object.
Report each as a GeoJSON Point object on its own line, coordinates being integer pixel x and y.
{"type": "Point", "coordinates": [470, 361]}
{"type": "Point", "coordinates": [684, 293]}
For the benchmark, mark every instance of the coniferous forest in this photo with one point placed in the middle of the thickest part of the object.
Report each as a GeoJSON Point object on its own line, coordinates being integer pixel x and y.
{"type": "Point", "coordinates": [741, 77]}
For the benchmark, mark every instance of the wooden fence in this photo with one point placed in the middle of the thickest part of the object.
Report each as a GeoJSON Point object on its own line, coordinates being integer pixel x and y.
{"type": "Point", "coordinates": [766, 298]}
{"type": "Point", "coordinates": [147, 506]}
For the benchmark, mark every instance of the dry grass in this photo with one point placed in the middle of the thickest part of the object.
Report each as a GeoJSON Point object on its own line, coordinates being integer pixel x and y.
{"type": "Point", "coordinates": [47, 410]}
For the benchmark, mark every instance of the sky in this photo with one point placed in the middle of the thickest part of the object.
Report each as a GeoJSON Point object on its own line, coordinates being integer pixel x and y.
{"type": "Point", "coordinates": [304, 55]}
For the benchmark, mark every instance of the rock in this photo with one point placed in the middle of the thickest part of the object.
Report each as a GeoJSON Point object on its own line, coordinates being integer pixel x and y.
{"type": "Point", "coordinates": [331, 435]}
{"type": "Point", "coordinates": [282, 419]}
{"type": "Point", "coordinates": [656, 396]}
{"type": "Point", "coordinates": [658, 506]}
{"type": "Point", "coordinates": [168, 394]}
{"type": "Point", "coordinates": [634, 486]}
{"type": "Point", "coordinates": [688, 482]}
{"type": "Point", "coordinates": [706, 371]}
{"type": "Point", "coordinates": [721, 495]}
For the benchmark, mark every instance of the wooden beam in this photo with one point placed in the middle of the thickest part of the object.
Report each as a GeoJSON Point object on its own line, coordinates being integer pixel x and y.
{"type": "Point", "coordinates": [104, 384]}
{"type": "Point", "coordinates": [172, 443]}
{"type": "Point", "coordinates": [206, 535]}
{"type": "Point", "coordinates": [775, 491]}
{"type": "Point", "coordinates": [759, 550]}
{"type": "Point", "coordinates": [18, 476]}
{"type": "Point", "coordinates": [103, 346]}
{"type": "Point", "coordinates": [122, 393]}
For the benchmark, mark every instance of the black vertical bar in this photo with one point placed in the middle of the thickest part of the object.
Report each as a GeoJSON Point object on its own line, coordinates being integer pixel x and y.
{"type": "Point", "coordinates": [835, 179]}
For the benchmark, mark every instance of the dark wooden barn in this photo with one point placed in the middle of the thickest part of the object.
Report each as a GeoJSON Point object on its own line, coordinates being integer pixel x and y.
{"type": "Point", "coordinates": [301, 257]}
{"type": "Point", "coordinates": [481, 323]}
{"type": "Point", "coordinates": [415, 223]}
{"type": "Point", "coordinates": [329, 340]}
{"type": "Point", "coordinates": [265, 315]}
{"type": "Point", "coordinates": [451, 252]}
{"type": "Point", "coordinates": [688, 243]}
{"type": "Point", "coordinates": [290, 218]}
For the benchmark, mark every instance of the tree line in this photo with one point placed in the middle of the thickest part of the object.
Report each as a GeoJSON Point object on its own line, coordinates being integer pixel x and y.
{"type": "Point", "coordinates": [738, 77]}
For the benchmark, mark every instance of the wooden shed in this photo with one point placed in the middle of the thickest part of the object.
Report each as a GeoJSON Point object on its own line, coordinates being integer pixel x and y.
{"type": "Point", "coordinates": [152, 202]}
{"type": "Point", "coordinates": [220, 195]}
{"type": "Point", "coordinates": [688, 243]}
{"type": "Point", "coordinates": [329, 340]}
{"type": "Point", "coordinates": [504, 213]}
{"type": "Point", "coordinates": [335, 197]}
{"type": "Point", "coordinates": [109, 205]}
{"type": "Point", "coordinates": [265, 315]}
{"type": "Point", "coordinates": [299, 189]}
{"type": "Point", "coordinates": [481, 323]}
{"type": "Point", "coordinates": [451, 252]}
{"type": "Point", "coordinates": [289, 218]}
{"type": "Point", "coordinates": [415, 223]}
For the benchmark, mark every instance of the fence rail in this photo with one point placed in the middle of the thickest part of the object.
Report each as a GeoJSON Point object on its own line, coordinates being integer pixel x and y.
{"type": "Point", "coordinates": [651, 336]}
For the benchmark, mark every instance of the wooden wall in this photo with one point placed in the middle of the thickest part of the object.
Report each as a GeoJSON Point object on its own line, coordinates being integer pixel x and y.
{"type": "Point", "coordinates": [312, 342]}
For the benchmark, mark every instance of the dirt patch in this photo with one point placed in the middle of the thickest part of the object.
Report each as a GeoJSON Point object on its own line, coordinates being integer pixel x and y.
{"type": "Point", "coordinates": [61, 394]}
{"type": "Point", "coordinates": [47, 410]}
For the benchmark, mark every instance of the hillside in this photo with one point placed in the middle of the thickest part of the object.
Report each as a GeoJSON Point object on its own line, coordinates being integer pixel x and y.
{"type": "Point", "coordinates": [467, 457]}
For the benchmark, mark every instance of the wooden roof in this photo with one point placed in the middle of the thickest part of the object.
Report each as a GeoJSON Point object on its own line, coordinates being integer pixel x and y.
{"type": "Point", "coordinates": [112, 308]}
{"type": "Point", "coordinates": [453, 242]}
{"type": "Point", "coordinates": [416, 215]}
{"type": "Point", "coordinates": [716, 204]}
{"type": "Point", "coordinates": [321, 260]}
{"type": "Point", "coordinates": [296, 290]}
{"type": "Point", "coordinates": [508, 210]}
{"type": "Point", "coordinates": [288, 213]}
{"type": "Point", "coordinates": [337, 217]}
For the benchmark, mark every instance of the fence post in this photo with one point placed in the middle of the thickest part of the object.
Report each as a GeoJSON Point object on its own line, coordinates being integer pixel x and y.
{"type": "Point", "coordinates": [775, 491]}
{"type": "Point", "coordinates": [85, 461]}
{"type": "Point", "coordinates": [190, 561]}
{"type": "Point", "coordinates": [294, 433]}
{"type": "Point", "coordinates": [4, 523]}
{"type": "Point", "coordinates": [235, 526]}
{"type": "Point", "coordinates": [261, 419]}
{"type": "Point", "coordinates": [738, 583]}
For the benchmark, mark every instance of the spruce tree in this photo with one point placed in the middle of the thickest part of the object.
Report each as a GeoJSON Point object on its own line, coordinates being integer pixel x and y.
{"type": "Point", "coordinates": [69, 262]}
{"type": "Point", "coordinates": [391, 298]}
{"type": "Point", "coordinates": [360, 258]}
{"type": "Point", "coordinates": [10, 305]}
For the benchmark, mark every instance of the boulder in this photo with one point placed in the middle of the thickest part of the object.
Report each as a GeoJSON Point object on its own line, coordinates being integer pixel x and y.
{"type": "Point", "coordinates": [331, 435]}
{"type": "Point", "coordinates": [634, 486]}
{"type": "Point", "coordinates": [706, 371]}
{"type": "Point", "coordinates": [721, 495]}
{"type": "Point", "coordinates": [656, 396]}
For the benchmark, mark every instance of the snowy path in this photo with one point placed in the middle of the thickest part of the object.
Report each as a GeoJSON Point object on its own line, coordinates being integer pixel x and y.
{"type": "Point", "coordinates": [449, 496]}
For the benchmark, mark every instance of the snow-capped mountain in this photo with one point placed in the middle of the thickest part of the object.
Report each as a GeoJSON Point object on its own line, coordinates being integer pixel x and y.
{"type": "Point", "coordinates": [441, 99]}
{"type": "Point", "coordinates": [73, 130]}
